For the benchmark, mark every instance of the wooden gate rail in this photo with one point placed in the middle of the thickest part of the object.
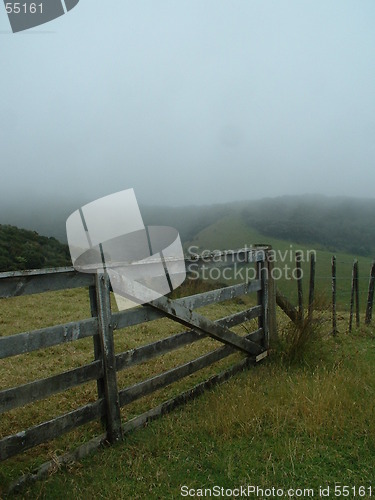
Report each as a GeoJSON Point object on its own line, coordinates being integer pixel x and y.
{"type": "Point", "coordinates": [145, 353]}
{"type": "Point", "coordinates": [107, 363]}
{"type": "Point", "coordinates": [22, 343]}
{"type": "Point", "coordinates": [185, 316]}
{"type": "Point", "coordinates": [43, 388]}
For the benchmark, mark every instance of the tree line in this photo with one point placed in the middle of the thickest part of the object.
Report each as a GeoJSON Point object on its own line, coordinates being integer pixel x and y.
{"type": "Point", "coordinates": [23, 249]}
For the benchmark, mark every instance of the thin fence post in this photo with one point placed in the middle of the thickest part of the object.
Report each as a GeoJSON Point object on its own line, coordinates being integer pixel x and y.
{"type": "Point", "coordinates": [262, 298]}
{"type": "Point", "coordinates": [352, 298]}
{"type": "Point", "coordinates": [258, 267]}
{"type": "Point", "coordinates": [370, 296]}
{"type": "Point", "coordinates": [357, 292]}
{"type": "Point", "coordinates": [113, 415]}
{"type": "Point", "coordinates": [264, 282]}
{"type": "Point", "coordinates": [311, 287]}
{"type": "Point", "coordinates": [334, 289]}
{"type": "Point", "coordinates": [299, 284]}
{"type": "Point", "coordinates": [271, 299]}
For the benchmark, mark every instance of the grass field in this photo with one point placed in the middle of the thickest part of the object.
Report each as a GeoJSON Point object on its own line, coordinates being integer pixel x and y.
{"type": "Point", "coordinates": [305, 424]}
{"type": "Point", "coordinates": [300, 422]}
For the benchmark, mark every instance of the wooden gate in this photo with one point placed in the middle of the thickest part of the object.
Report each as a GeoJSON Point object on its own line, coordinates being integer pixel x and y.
{"type": "Point", "coordinates": [107, 363]}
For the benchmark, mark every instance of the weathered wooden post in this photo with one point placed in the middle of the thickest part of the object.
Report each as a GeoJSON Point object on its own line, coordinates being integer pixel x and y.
{"type": "Point", "coordinates": [354, 296]}
{"type": "Point", "coordinates": [370, 296]}
{"type": "Point", "coordinates": [258, 268]}
{"type": "Point", "coordinates": [272, 321]}
{"type": "Point", "coordinates": [264, 301]}
{"type": "Point", "coordinates": [262, 295]}
{"type": "Point", "coordinates": [113, 415]}
{"type": "Point", "coordinates": [299, 284]}
{"type": "Point", "coordinates": [334, 288]}
{"type": "Point", "coordinates": [357, 293]}
{"type": "Point", "coordinates": [311, 287]}
{"type": "Point", "coordinates": [97, 343]}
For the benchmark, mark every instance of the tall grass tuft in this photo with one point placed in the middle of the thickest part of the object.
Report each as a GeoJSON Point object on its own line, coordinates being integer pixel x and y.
{"type": "Point", "coordinates": [303, 342]}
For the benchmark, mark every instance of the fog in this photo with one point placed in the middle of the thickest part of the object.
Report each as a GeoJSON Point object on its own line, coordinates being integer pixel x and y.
{"type": "Point", "coordinates": [189, 102]}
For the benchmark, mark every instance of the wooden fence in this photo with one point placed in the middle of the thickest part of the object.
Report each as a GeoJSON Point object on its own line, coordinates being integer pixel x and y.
{"type": "Point", "coordinates": [107, 363]}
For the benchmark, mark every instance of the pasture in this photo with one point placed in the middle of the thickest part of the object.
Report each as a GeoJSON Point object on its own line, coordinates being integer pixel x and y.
{"type": "Point", "coordinates": [301, 425]}
{"type": "Point", "coordinates": [283, 423]}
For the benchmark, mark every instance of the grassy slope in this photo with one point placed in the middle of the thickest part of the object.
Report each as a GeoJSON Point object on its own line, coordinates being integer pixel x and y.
{"type": "Point", "coordinates": [288, 427]}
{"type": "Point", "coordinates": [232, 232]}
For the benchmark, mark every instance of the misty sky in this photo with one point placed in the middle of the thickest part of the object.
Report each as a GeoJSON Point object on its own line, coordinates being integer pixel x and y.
{"type": "Point", "coordinates": [190, 101]}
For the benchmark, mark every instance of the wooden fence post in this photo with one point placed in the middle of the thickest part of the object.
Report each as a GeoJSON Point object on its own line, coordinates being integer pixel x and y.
{"type": "Point", "coordinates": [96, 342]}
{"type": "Point", "coordinates": [311, 287]}
{"type": "Point", "coordinates": [334, 288]}
{"type": "Point", "coordinates": [357, 293]}
{"type": "Point", "coordinates": [299, 284]}
{"type": "Point", "coordinates": [262, 297]}
{"type": "Point", "coordinates": [272, 321]}
{"type": "Point", "coordinates": [264, 301]}
{"type": "Point", "coordinates": [113, 415]}
{"type": "Point", "coordinates": [354, 296]}
{"type": "Point", "coordinates": [370, 296]}
{"type": "Point", "coordinates": [258, 267]}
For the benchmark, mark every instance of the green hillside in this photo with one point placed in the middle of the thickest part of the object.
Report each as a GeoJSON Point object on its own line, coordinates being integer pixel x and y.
{"type": "Point", "coordinates": [332, 223]}
{"type": "Point", "coordinates": [22, 249]}
{"type": "Point", "coordinates": [337, 223]}
{"type": "Point", "coordinates": [232, 232]}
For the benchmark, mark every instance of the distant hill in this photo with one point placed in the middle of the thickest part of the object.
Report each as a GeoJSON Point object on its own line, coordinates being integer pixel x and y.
{"type": "Point", "coordinates": [233, 232]}
{"type": "Point", "coordinates": [48, 216]}
{"type": "Point", "coordinates": [23, 249]}
{"type": "Point", "coordinates": [336, 223]}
